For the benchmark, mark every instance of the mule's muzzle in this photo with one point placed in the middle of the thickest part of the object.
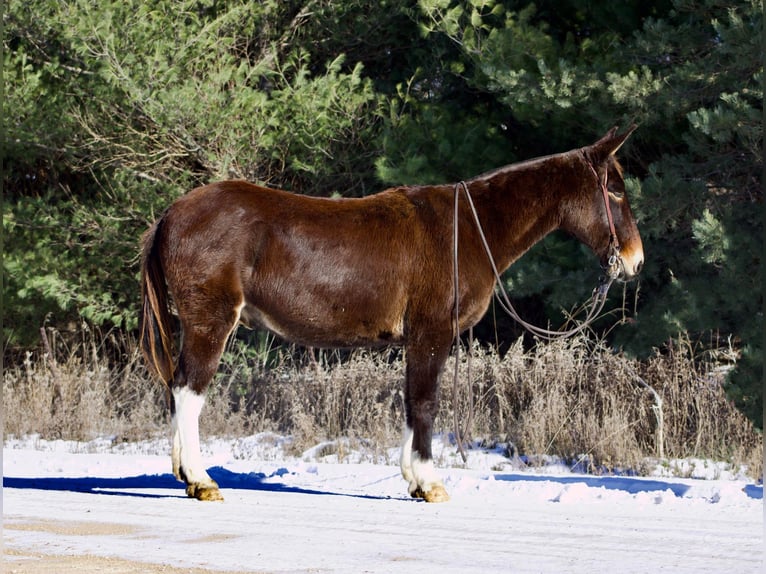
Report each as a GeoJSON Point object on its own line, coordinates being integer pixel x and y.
{"type": "Point", "coordinates": [625, 266]}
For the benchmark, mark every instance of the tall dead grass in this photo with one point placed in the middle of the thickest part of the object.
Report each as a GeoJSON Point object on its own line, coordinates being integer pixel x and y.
{"type": "Point", "coordinates": [573, 399]}
{"type": "Point", "coordinates": [74, 391]}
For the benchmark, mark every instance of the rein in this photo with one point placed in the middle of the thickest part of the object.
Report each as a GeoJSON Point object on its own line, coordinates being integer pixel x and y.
{"type": "Point", "coordinates": [598, 297]}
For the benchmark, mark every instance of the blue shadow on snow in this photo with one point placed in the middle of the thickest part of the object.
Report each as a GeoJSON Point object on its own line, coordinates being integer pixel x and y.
{"type": "Point", "coordinates": [754, 491]}
{"type": "Point", "coordinates": [122, 486]}
{"type": "Point", "coordinates": [630, 485]}
{"type": "Point", "coordinates": [260, 481]}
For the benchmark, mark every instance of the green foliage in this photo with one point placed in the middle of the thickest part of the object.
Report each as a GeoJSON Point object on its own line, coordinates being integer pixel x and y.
{"type": "Point", "coordinates": [74, 257]}
{"type": "Point", "coordinates": [440, 143]}
{"type": "Point", "coordinates": [113, 109]}
{"type": "Point", "coordinates": [209, 89]}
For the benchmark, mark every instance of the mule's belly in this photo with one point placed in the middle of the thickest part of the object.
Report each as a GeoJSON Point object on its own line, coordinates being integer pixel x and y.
{"type": "Point", "coordinates": [327, 325]}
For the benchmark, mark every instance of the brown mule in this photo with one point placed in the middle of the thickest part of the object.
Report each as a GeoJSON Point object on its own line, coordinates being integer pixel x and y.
{"type": "Point", "coordinates": [359, 272]}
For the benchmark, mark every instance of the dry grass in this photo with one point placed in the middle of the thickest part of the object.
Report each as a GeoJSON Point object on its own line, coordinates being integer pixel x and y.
{"type": "Point", "coordinates": [573, 399]}
{"type": "Point", "coordinates": [79, 395]}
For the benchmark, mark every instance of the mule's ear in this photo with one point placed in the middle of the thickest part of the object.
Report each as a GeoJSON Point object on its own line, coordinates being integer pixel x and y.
{"type": "Point", "coordinates": [612, 141]}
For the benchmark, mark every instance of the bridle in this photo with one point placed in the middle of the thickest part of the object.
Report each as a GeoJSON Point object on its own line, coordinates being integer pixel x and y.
{"type": "Point", "coordinates": [614, 263]}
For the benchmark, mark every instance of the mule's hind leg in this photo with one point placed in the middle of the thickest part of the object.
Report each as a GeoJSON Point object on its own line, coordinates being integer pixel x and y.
{"type": "Point", "coordinates": [202, 348]}
{"type": "Point", "coordinates": [187, 458]}
{"type": "Point", "coordinates": [421, 400]}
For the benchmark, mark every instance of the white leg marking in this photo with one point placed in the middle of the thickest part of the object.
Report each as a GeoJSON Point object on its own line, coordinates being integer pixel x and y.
{"type": "Point", "coordinates": [405, 462]}
{"type": "Point", "coordinates": [422, 479]}
{"type": "Point", "coordinates": [176, 446]}
{"type": "Point", "coordinates": [426, 476]}
{"type": "Point", "coordinates": [186, 436]}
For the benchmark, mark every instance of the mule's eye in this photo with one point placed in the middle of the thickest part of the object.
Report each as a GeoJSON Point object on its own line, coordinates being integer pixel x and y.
{"type": "Point", "coordinates": [617, 194]}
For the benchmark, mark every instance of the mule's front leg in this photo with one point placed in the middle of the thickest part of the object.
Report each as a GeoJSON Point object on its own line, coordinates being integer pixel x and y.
{"type": "Point", "coordinates": [421, 404]}
{"type": "Point", "coordinates": [186, 455]}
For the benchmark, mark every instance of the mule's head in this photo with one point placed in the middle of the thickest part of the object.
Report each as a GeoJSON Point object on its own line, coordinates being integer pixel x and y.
{"type": "Point", "coordinates": [617, 244]}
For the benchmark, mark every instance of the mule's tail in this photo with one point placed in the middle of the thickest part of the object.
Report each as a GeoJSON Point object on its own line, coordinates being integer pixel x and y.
{"type": "Point", "coordinates": [156, 324]}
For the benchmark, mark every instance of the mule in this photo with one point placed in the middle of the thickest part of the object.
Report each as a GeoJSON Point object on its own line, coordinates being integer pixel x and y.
{"type": "Point", "coordinates": [360, 272]}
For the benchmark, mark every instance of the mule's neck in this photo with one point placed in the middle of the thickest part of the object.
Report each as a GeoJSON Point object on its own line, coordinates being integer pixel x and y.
{"type": "Point", "coordinates": [520, 204]}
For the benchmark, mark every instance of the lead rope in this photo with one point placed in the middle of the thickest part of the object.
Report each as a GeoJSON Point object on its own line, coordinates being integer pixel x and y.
{"type": "Point", "coordinates": [598, 298]}
{"type": "Point", "coordinates": [456, 334]}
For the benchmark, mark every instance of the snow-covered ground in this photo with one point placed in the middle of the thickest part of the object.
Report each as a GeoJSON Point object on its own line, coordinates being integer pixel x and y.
{"type": "Point", "coordinates": [317, 514]}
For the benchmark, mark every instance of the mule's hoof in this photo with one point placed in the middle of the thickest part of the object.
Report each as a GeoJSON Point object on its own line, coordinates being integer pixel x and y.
{"type": "Point", "coordinates": [208, 493]}
{"type": "Point", "coordinates": [437, 494]}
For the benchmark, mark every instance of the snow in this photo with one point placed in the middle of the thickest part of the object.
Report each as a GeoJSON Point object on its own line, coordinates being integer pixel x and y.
{"type": "Point", "coordinates": [350, 513]}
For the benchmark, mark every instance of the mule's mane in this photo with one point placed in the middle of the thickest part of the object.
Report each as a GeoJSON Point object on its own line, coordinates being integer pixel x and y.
{"type": "Point", "coordinates": [537, 161]}
{"type": "Point", "coordinates": [525, 164]}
